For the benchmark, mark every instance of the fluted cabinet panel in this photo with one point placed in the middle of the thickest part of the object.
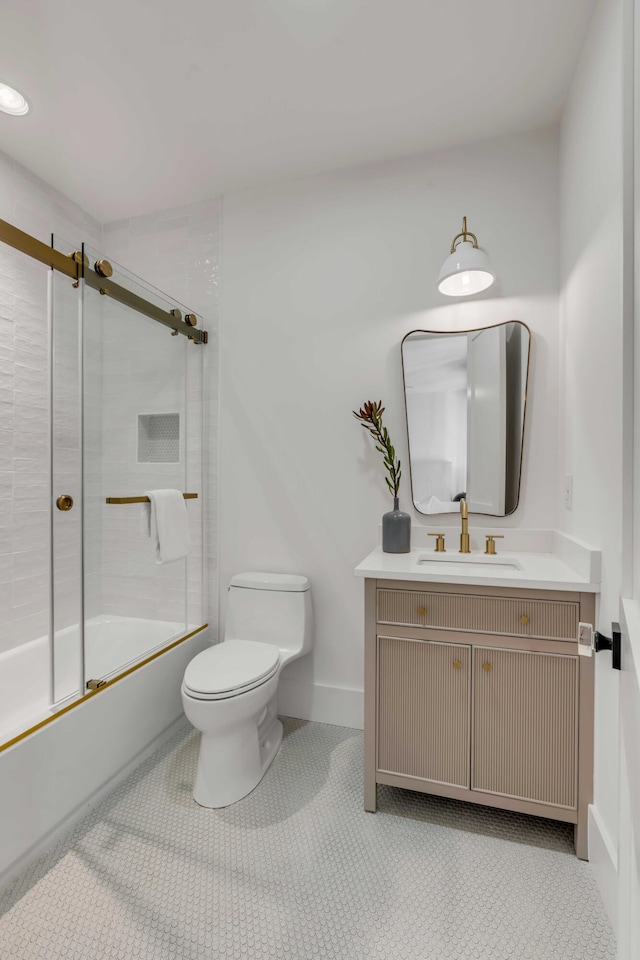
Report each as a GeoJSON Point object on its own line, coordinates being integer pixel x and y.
{"type": "Point", "coordinates": [543, 619]}
{"type": "Point", "coordinates": [423, 709]}
{"type": "Point", "coordinates": [525, 725]}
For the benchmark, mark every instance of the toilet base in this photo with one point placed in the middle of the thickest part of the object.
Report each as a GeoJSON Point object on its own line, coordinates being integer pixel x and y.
{"type": "Point", "coordinates": [232, 764]}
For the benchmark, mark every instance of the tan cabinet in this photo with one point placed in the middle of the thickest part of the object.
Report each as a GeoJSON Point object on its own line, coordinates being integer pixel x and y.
{"type": "Point", "coordinates": [525, 730]}
{"type": "Point", "coordinates": [480, 695]}
{"type": "Point", "coordinates": [424, 709]}
{"type": "Point", "coordinates": [522, 617]}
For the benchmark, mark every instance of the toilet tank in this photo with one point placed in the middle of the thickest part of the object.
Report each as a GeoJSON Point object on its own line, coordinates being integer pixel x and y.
{"type": "Point", "coordinates": [271, 608]}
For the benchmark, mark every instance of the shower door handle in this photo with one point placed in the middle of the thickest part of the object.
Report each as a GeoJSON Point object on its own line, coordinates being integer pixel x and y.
{"type": "Point", "coordinates": [64, 502]}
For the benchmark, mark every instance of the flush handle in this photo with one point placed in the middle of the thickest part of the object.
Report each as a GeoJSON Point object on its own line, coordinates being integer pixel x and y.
{"type": "Point", "coordinates": [64, 502]}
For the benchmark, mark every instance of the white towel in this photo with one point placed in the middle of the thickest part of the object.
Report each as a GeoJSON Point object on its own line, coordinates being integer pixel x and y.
{"type": "Point", "coordinates": [169, 525]}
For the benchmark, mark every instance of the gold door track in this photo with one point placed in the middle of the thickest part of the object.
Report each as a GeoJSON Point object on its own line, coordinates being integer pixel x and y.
{"type": "Point", "coordinates": [97, 687]}
{"type": "Point", "coordinates": [187, 496]}
{"type": "Point", "coordinates": [77, 267]}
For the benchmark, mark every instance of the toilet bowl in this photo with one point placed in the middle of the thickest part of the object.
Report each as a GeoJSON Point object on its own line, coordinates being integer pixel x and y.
{"type": "Point", "coordinates": [229, 691]}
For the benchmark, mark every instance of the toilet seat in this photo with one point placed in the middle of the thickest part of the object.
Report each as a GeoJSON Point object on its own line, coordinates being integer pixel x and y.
{"type": "Point", "coordinates": [229, 669]}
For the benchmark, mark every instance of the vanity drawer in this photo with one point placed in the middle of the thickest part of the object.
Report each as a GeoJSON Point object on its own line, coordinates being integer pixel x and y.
{"type": "Point", "coordinates": [541, 619]}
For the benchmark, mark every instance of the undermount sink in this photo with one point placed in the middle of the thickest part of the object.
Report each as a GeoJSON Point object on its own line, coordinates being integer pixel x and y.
{"type": "Point", "coordinates": [464, 559]}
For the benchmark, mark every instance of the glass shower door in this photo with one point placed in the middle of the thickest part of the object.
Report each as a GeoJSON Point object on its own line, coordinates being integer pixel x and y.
{"type": "Point", "coordinates": [141, 434]}
{"type": "Point", "coordinates": [101, 405]}
{"type": "Point", "coordinates": [39, 460]}
{"type": "Point", "coordinates": [65, 333]}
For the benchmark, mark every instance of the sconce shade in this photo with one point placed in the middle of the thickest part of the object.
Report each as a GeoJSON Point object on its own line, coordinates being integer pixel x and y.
{"type": "Point", "coordinates": [467, 269]}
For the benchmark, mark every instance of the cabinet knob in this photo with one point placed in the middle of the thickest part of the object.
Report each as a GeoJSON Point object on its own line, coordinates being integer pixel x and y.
{"type": "Point", "coordinates": [422, 611]}
{"type": "Point", "coordinates": [524, 619]}
{"type": "Point", "coordinates": [64, 502]}
{"type": "Point", "coordinates": [486, 666]}
{"type": "Point", "coordinates": [457, 665]}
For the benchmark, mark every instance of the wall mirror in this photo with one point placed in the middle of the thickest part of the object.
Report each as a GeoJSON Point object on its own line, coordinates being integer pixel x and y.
{"type": "Point", "coordinates": [465, 395]}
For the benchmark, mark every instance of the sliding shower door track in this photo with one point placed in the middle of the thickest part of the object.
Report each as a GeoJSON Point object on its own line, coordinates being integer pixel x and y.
{"type": "Point", "coordinates": [104, 685]}
{"type": "Point", "coordinates": [76, 266]}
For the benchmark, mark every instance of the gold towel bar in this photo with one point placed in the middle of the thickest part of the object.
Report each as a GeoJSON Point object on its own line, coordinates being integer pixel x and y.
{"type": "Point", "coordinates": [187, 496]}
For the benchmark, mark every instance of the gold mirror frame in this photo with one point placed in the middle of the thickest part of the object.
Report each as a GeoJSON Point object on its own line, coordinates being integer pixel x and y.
{"type": "Point", "coordinates": [454, 333]}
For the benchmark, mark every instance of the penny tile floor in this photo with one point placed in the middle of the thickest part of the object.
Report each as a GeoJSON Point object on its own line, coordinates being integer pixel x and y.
{"type": "Point", "coordinates": [298, 871]}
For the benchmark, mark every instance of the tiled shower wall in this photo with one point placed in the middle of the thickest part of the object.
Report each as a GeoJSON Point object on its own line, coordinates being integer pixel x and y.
{"type": "Point", "coordinates": [33, 206]}
{"type": "Point", "coordinates": [178, 251]}
{"type": "Point", "coordinates": [146, 371]}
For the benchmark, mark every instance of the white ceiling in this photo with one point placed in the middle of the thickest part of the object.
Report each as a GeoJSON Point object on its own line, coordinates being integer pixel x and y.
{"type": "Point", "coordinates": [139, 105]}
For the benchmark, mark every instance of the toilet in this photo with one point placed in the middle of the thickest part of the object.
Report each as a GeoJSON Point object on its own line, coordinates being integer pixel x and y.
{"type": "Point", "coordinates": [230, 691]}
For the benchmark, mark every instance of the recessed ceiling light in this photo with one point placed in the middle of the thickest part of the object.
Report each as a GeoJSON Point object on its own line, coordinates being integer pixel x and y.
{"type": "Point", "coordinates": [12, 102]}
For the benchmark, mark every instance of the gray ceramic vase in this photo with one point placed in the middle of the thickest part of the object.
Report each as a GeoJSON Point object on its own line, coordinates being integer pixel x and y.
{"type": "Point", "coordinates": [396, 530]}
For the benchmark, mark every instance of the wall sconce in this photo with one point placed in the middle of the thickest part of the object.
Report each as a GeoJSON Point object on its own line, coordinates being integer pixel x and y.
{"type": "Point", "coordinates": [467, 269]}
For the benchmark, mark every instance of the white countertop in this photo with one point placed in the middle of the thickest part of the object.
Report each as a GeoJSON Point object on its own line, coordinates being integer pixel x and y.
{"type": "Point", "coordinates": [534, 571]}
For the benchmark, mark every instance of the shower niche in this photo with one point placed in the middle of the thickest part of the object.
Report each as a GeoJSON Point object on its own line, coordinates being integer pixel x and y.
{"type": "Point", "coordinates": [158, 438]}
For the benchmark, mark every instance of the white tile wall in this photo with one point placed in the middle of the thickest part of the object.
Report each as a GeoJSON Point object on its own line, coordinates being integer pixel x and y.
{"type": "Point", "coordinates": [33, 206]}
{"type": "Point", "coordinates": [178, 251]}
{"type": "Point", "coordinates": [93, 444]}
{"type": "Point", "coordinates": [143, 371]}
{"type": "Point", "coordinates": [67, 530]}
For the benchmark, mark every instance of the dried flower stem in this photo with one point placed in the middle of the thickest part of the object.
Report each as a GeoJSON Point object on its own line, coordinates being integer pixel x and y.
{"type": "Point", "coordinates": [370, 416]}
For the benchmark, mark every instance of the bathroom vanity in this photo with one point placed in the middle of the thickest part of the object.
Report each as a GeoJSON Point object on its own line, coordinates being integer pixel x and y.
{"type": "Point", "coordinates": [476, 684]}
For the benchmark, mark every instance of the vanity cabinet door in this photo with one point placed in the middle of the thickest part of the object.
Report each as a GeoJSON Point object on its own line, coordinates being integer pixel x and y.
{"type": "Point", "coordinates": [525, 725]}
{"type": "Point", "coordinates": [423, 709]}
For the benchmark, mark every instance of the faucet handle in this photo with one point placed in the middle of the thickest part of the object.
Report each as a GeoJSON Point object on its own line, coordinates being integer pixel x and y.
{"type": "Point", "coordinates": [491, 542]}
{"type": "Point", "coordinates": [440, 547]}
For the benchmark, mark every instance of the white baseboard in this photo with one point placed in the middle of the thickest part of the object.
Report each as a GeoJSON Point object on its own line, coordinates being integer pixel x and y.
{"type": "Point", "coordinates": [341, 706]}
{"type": "Point", "coordinates": [603, 859]}
{"type": "Point", "coordinates": [47, 841]}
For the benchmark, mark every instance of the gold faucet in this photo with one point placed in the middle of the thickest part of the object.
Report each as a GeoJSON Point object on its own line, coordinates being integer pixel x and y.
{"type": "Point", "coordinates": [490, 548]}
{"type": "Point", "coordinates": [464, 536]}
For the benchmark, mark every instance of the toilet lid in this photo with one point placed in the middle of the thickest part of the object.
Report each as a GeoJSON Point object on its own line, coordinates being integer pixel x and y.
{"type": "Point", "coordinates": [231, 666]}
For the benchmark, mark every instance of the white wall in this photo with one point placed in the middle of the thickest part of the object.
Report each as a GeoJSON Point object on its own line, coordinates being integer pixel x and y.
{"type": "Point", "coordinates": [591, 371]}
{"type": "Point", "coordinates": [322, 279]}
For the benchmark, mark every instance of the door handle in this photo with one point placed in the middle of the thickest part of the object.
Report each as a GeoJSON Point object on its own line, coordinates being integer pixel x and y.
{"type": "Point", "coordinates": [613, 643]}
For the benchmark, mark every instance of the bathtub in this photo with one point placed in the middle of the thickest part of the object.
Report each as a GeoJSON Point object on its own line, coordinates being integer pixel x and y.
{"type": "Point", "coordinates": [112, 644]}
{"type": "Point", "coordinates": [52, 776]}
